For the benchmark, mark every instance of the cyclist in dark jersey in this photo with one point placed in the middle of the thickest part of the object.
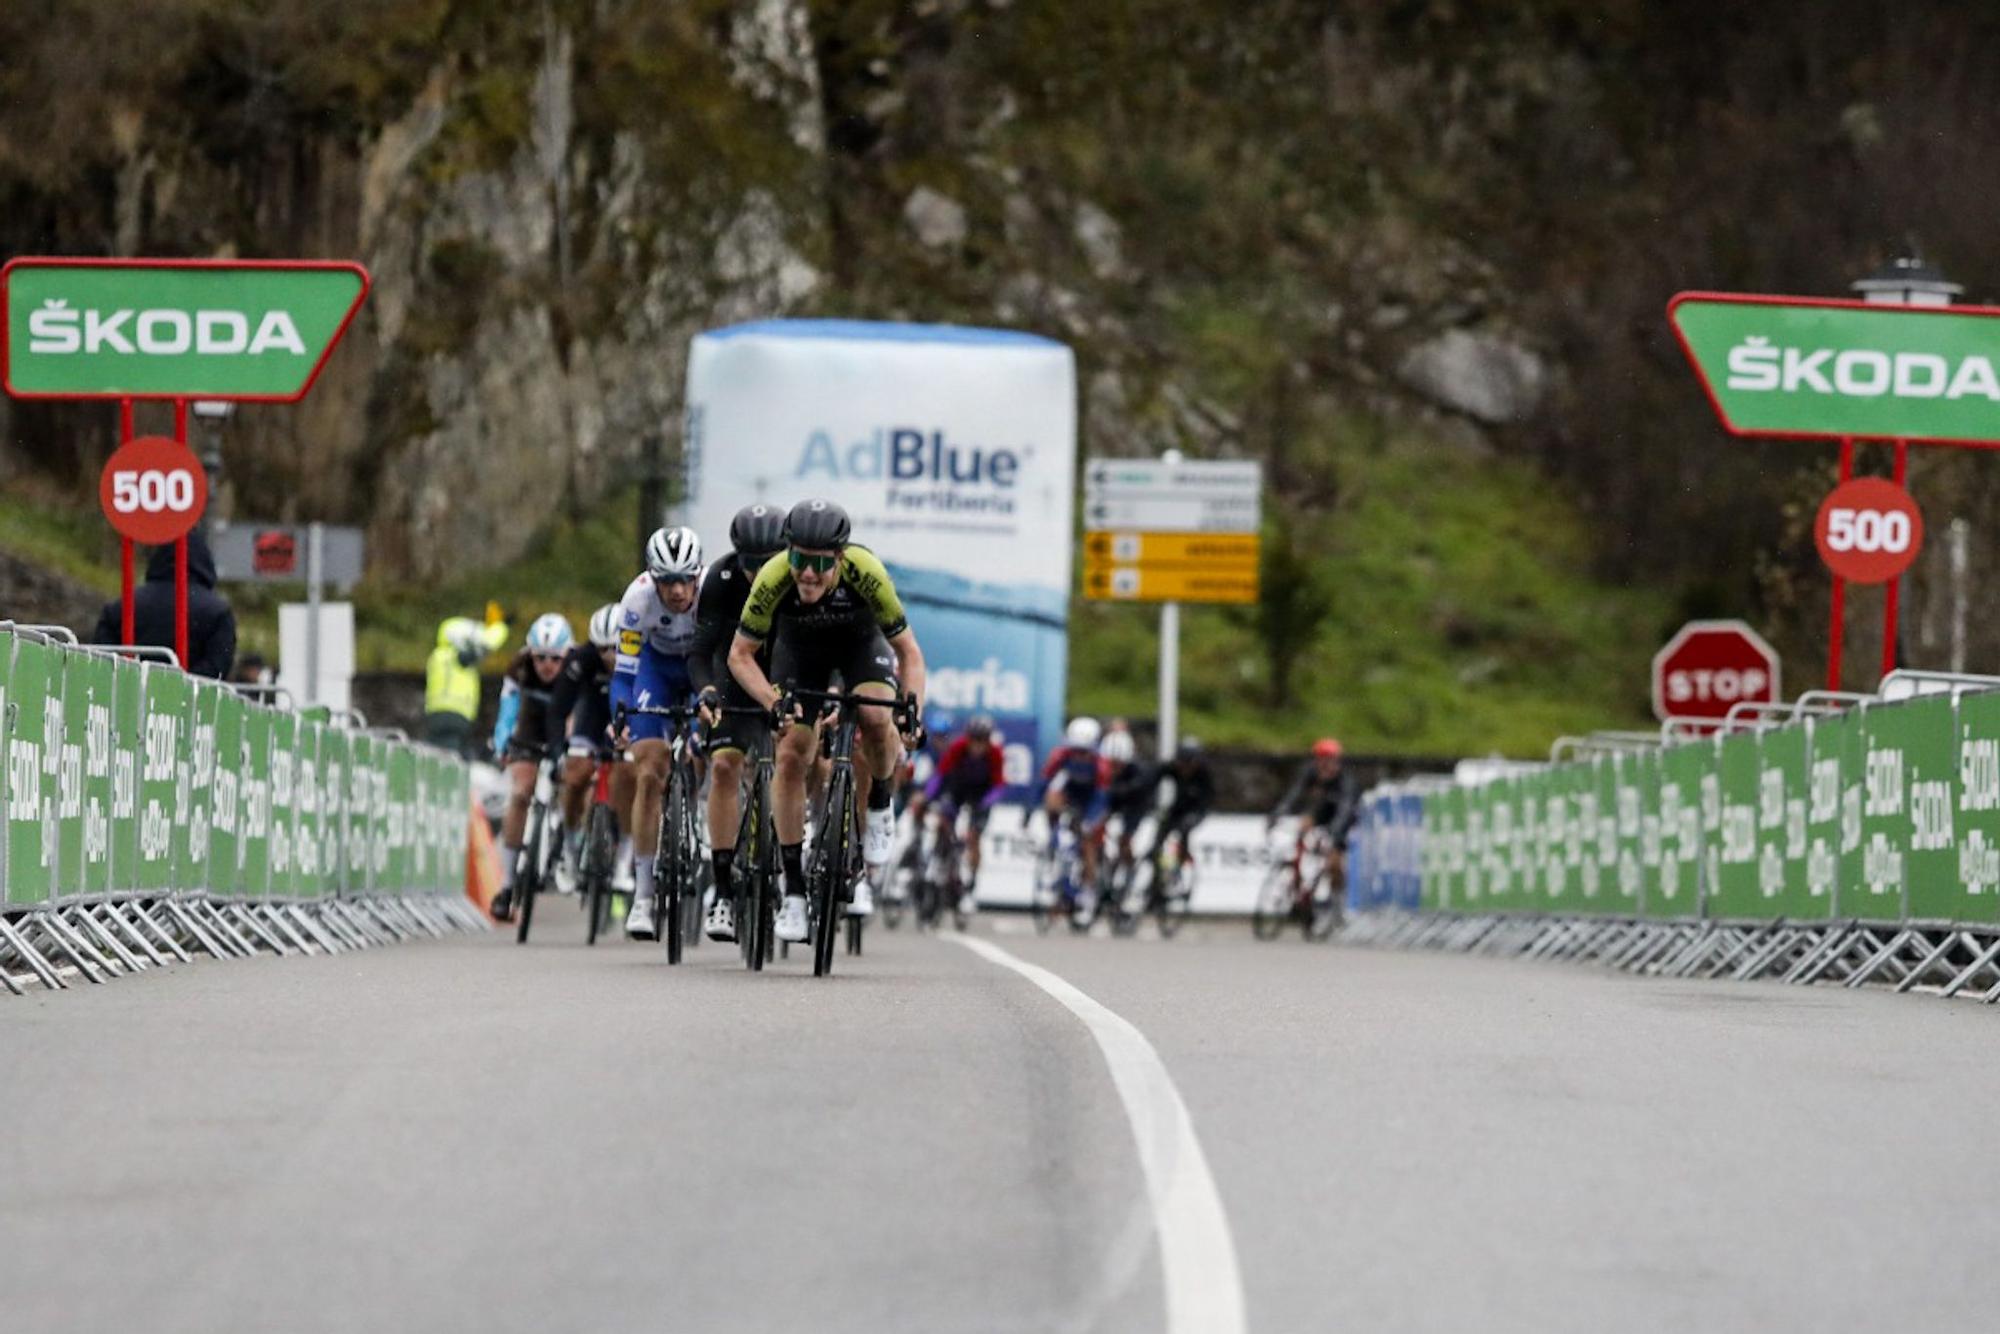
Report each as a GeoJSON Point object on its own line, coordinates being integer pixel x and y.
{"type": "Point", "coordinates": [519, 740]}
{"type": "Point", "coordinates": [827, 607]}
{"type": "Point", "coordinates": [1324, 795]}
{"type": "Point", "coordinates": [1193, 798]}
{"type": "Point", "coordinates": [579, 723]}
{"type": "Point", "coordinates": [755, 535]}
{"type": "Point", "coordinates": [969, 777]}
{"type": "Point", "coordinates": [1129, 797]}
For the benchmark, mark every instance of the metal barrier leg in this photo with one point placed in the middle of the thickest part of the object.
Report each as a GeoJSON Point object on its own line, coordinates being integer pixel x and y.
{"type": "Point", "coordinates": [116, 916]}
{"type": "Point", "coordinates": [248, 919]}
{"type": "Point", "coordinates": [299, 917]}
{"type": "Point", "coordinates": [1883, 957]}
{"type": "Point", "coordinates": [1980, 963]}
{"type": "Point", "coordinates": [87, 960]}
{"type": "Point", "coordinates": [84, 922]}
{"type": "Point", "coordinates": [39, 966]}
{"type": "Point", "coordinates": [1782, 946]}
{"type": "Point", "coordinates": [1808, 966]}
{"type": "Point", "coordinates": [212, 914]}
{"type": "Point", "coordinates": [142, 917]}
{"type": "Point", "coordinates": [1922, 968]}
{"type": "Point", "coordinates": [177, 912]}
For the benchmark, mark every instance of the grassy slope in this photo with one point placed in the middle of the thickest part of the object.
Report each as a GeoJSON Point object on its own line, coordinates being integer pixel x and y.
{"type": "Point", "coordinates": [1463, 620]}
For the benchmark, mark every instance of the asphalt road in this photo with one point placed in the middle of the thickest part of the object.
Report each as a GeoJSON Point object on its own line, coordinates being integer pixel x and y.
{"type": "Point", "coordinates": [471, 1136]}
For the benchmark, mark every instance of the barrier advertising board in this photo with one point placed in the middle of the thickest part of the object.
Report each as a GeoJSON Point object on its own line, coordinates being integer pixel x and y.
{"type": "Point", "coordinates": [953, 450]}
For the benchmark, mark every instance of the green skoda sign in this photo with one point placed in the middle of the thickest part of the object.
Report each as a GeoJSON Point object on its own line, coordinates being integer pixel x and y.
{"type": "Point", "coordinates": [252, 330]}
{"type": "Point", "coordinates": [1808, 369]}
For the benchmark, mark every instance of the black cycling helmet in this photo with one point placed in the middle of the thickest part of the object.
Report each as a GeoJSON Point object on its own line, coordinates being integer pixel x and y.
{"type": "Point", "coordinates": [817, 525]}
{"type": "Point", "coordinates": [1189, 750]}
{"type": "Point", "coordinates": [757, 531]}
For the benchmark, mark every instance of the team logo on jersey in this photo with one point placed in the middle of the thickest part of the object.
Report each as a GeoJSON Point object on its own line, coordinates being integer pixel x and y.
{"type": "Point", "coordinates": [629, 642]}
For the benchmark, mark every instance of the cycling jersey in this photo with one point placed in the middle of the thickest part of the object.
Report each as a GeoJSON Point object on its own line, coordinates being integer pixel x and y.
{"type": "Point", "coordinates": [720, 606]}
{"type": "Point", "coordinates": [864, 600]}
{"type": "Point", "coordinates": [1330, 803]}
{"type": "Point", "coordinates": [653, 649]}
{"type": "Point", "coordinates": [1130, 793]}
{"type": "Point", "coordinates": [966, 777]}
{"type": "Point", "coordinates": [524, 708]}
{"type": "Point", "coordinates": [1080, 771]}
{"type": "Point", "coordinates": [583, 690]}
{"type": "Point", "coordinates": [1194, 795]}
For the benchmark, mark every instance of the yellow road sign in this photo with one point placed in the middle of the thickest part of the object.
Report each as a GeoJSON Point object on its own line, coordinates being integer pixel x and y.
{"type": "Point", "coordinates": [1139, 548]}
{"type": "Point", "coordinates": [1135, 583]}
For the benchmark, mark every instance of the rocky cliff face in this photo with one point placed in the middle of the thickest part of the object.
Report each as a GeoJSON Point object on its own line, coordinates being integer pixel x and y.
{"type": "Point", "coordinates": [1268, 229]}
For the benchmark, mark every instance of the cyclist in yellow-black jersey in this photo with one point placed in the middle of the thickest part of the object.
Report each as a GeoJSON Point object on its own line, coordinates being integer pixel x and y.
{"type": "Point", "coordinates": [825, 606]}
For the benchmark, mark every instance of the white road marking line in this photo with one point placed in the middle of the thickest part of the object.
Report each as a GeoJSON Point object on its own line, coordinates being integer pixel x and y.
{"type": "Point", "coordinates": [1204, 1288]}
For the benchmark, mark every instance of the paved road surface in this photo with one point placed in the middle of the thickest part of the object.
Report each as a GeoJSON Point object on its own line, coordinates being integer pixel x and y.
{"type": "Point", "coordinates": [470, 1136]}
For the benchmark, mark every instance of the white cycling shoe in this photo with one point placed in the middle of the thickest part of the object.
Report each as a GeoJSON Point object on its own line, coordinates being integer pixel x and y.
{"type": "Point", "coordinates": [879, 838]}
{"type": "Point", "coordinates": [967, 905]}
{"type": "Point", "coordinates": [639, 924]}
{"type": "Point", "coordinates": [791, 923]}
{"type": "Point", "coordinates": [721, 920]}
{"type": "Point", "coordinates": [861, 902]}
{"type": "Point", "coordinates": [622, 879]}
{"type": "Point", "coordinates": [565, 877]}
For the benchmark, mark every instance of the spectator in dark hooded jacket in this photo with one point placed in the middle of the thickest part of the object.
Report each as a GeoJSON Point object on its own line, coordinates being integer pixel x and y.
{"type": "Point", "coordinates": [211, 624]}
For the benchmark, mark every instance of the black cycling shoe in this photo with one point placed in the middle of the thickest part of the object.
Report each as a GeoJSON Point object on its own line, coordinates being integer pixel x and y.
{"type": "Point", "coordinates": [503, 906]}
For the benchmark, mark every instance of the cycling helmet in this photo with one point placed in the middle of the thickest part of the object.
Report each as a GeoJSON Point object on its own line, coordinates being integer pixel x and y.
{"type": "Point", "coordinates": [604, 625]}
{"type": "Point", "coordinates": [1117, 747]}
{"type": "Point", "coordinates": [817, 525]}
{"type": "Point", "coordinates": [1326, 748]}
{"type": "Point", "coordinates": [550, 634]}
{"type": "Point", "coordinates": [673, 553]}
{"type": "Point", "coordinates": [980, 727]}
{"type": "Point", "coordinates": [1083, 732]}
{"type": "Point", "coordinates": [757, 532]}
{"type": "Point", "coordinates": [1189, 749]}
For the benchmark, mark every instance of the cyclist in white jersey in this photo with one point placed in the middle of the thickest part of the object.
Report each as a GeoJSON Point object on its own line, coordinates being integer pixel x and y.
{"type": "Point", "coordinates": [655, 635]}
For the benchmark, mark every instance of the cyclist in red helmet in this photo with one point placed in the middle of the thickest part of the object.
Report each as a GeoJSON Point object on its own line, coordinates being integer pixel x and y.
{"type": "Point", "coordinates": [1323, 793]}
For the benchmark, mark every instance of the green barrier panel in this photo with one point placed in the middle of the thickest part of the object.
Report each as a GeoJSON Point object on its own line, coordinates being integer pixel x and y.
{"type": "Point", "coordinates": [1641, 776]}
{"type": "Point", "coordinates": [95, 679]}
{"type": "Point", "coordinates": [128, 751]}
{"type": "Point", "coordinates": [70, 679]}
{"type": "Point", "coordinates": [333, 743]}
{"type": "Point", "coordinates": [1623, 827]}
{"type": "Point", "coordinates": [402, 822]}
{"type": "Point", "coordinates": [1876, 894]}
{"type": "Point", "coordinates": [1735, 895]}
{"type": "Point", "coordinates": [1979, 805]}
{"type": "Point", "coordinates": [198, 871]}
{"type": "Point", "coordinates": [1826, 741]}
{"type": "Point", "coordinates": [1922, 735]}
{"type": "Point", "coordinates": [163, 718]}
{"type": "Point", "coordinates": [424, 875]}
{"type": "Point", "coordinates": [228, 802]}
{"type": "Point", "coordinates": [8, 705]}
{"type": "Point", "coordinates": [308, 881]}
{"type": "Point", "coordinates": [1568, 786]}
{"type": "Point", "coordinates": [1430, 839]}
{"type": "Point", "coordinates": [1508, 878]}
{"type": "Point", "coordinates": [1847, 895]}
{"type": "Point", "coordinates": [1782, 791]}
{"type": "Point", "coordinates": [1597, 820]}
{"type": "Point", "coordinates": [1473, 849]}
{"type": "Point", "coordinates": [1525, 808]}
{"type": "Point", "coordinates": [33, 725]}
{"type": "Point", "coordinates": [1676, 891]}
{"type": "Point", "coordinates": [281, 740]}
{"type": "Point", "coordinates": [356, 848]}
{"type": "Point", "coordinates": [253, 844]}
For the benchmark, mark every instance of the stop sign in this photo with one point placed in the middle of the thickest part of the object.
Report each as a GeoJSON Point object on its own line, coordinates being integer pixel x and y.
{"type": "Point", "coordinates": [1709, 667]}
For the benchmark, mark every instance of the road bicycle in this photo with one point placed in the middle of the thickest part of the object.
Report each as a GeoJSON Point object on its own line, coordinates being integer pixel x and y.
{"type": "Point", "coordinates": [1170, 882]}
{"type": "Point", "coordinates": [835, 858]}
{"type": "Point", "coordinates": [1117, 876]}
{"type": "Point", "coordinates": [678, 869]}
{"type": "Point", "coordinates": [1302, 889]}
{"type": "Point", "coordinates": [940, 879]}
{"type": "Point", "coordinates": [1057, 888]}
{"type": "Point", "coordinates": [536, 858]}
{"type": "Point", "coordinates": [757, 874]}
{"type": "Point", "coordinates": [597, 862]}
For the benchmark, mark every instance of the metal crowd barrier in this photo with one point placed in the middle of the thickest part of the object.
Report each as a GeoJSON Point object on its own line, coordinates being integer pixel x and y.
{"type": "Point", "coordinates": [152, 816]}
{"type": "Point", "coordinates": [1850, 839]}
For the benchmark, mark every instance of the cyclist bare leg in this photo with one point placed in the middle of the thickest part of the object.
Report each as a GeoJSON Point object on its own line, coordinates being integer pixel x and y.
{"type": "Point", "coordinates": [649, 766]}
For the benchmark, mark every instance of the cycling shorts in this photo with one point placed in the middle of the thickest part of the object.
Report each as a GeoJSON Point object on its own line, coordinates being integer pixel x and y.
{"type": "Point", "coordinates": [1088, 803]}
{"type": "Point", "coordinates": [736, 731]}
{"type": "Point", "coordinates": [809, 662]}
{"type": "Point", "coordinates": [977, 810]}
{"type": "Point", "coordinates": [663, 683]}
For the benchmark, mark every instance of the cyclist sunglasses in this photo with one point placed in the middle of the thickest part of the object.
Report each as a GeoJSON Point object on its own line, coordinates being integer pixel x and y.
{"type": "Point", "coordinates": [818, 564]}
{"type": "Point", "coordinates": [675, 580]}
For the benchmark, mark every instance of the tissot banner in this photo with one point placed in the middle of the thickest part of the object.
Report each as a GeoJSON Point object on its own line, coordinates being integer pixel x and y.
{"type": "Point", "coordinates": [952, 449]}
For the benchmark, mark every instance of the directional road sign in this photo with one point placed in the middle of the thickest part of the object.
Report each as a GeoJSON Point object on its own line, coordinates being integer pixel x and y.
{"type": "Point", "coordinates": [1127, 548]}
{"type": "Point", "coordinates": [1155, 495]}
{"type": "Point", "coordinates": [1142, 583]}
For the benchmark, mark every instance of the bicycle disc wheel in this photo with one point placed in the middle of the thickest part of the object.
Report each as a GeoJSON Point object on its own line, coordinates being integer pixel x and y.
{"type": "Point", "coordinates": [1274, 904]}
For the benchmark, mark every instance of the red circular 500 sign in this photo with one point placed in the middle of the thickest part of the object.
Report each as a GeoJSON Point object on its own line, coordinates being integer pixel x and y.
{"type": "Point", "coordinates": [152, 489]}
{"type": "Point", "coordinates": [1869, 530]}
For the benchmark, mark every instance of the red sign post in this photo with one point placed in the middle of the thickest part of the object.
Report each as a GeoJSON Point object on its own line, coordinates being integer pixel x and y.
{"type": "Point", "coordinates": [1709, 667]}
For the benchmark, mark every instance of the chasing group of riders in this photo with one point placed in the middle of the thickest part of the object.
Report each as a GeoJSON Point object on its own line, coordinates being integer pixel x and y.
{"type": "Point", "coordinates": [797, 606]}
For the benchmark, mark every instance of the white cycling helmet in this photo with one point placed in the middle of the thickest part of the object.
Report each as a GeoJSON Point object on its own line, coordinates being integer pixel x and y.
{"type": "Point", "coordinates": [1117, 747]}
{"type": "Point", "coordinates": [550, 634]}
{"type": "Point", "coordinates": [1083, 733]}
{"type": "Point", "coordinates": [604, 625]}
{"type": "Point", "coordinates": [673, 553]}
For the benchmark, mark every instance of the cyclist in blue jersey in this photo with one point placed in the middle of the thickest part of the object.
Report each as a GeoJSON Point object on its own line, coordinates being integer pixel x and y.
{"type": "Point", "coordinates": [656, 635]}
{"type": "Point", "coordinates": [1075, 780]}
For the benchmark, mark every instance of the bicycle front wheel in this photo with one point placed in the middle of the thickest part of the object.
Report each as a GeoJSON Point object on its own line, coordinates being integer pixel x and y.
{"type": "Point", "coordinates": [527, 875]}
{"type": "Point", "coordinates": [1274, 904]}
{"type": "Point", "coordinates": [1042, 895]}
{"type": "Point", "coordinates": [1170, 911]}
{"type": "Point", "coordinates": [671, 872]}
{"type": "Point", "coordinates": [600, 849]}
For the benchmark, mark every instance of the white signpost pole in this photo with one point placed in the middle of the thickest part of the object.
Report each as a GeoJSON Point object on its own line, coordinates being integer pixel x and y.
{"type": "Point", "coordinates": [315, 535]}
{"type": "Point", "coordinates": [1170, 664]}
